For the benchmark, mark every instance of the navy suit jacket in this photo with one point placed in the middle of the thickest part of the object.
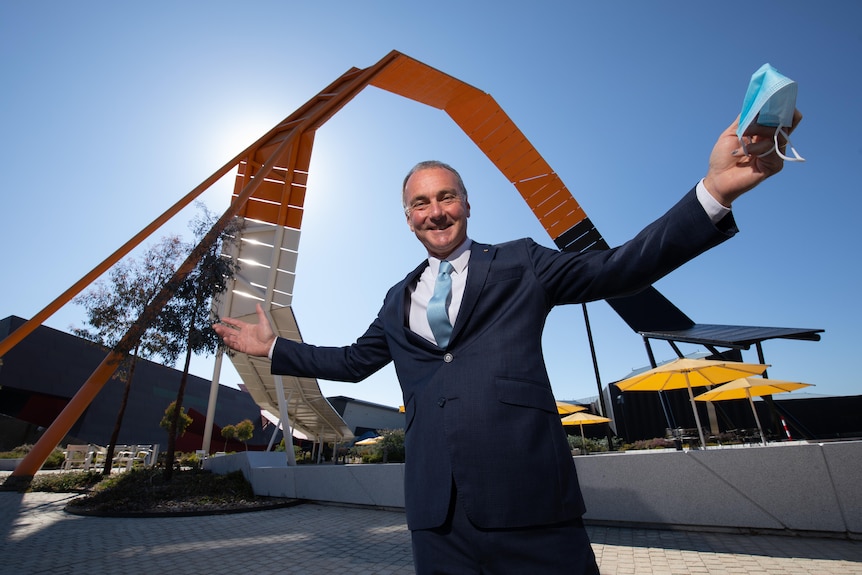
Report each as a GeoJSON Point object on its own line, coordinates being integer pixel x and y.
{"type": "Point", "coordinates": [481, 412]}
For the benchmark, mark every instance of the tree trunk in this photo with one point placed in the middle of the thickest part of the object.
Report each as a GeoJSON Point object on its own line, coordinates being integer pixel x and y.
{"type": "Point", "coordinates": [178, 406]}
{"type": "Point", "coordinates": [109, 456]}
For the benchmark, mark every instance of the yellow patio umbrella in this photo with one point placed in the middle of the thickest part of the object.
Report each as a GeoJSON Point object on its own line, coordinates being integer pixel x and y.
{"type": "Point", "coordinates": [582, 418]}
{"type": "Point", "coordinates": [749, 388]}
{"type": "Point", "coordinates": [564, 408]}
{"type": "Point", "coordinates": [369, 441]}
{"type": "Point", "coordinates": [684, 373]}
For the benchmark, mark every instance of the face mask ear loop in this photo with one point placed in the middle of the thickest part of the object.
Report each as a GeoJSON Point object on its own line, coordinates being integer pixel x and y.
{"type": "Point", "coordinates": [777, 150]}
{"type": "Point", "coordinates": [796, 157]}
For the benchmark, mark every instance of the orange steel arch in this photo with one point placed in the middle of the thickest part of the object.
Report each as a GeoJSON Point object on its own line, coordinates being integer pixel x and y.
{"type": "Point", "coordinates": [271, 185]}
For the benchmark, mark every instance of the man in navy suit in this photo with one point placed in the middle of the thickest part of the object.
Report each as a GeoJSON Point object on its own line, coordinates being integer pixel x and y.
{"type": "Point", "coordinates": [490, 482]}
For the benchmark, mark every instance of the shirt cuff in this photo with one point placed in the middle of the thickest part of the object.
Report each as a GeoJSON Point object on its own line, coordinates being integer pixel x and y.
{"type": "Point", "coordinates": [272, 348]}
{"type": "Point", "coordinates": [713, 208]}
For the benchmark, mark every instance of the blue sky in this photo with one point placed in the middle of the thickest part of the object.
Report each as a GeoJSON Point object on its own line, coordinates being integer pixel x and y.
{"type": "Point", "coordinates": [110, 112]}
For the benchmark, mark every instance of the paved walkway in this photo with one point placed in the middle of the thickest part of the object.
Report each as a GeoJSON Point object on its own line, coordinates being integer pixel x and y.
{"type": "Point", "coordinates": [38, 537]}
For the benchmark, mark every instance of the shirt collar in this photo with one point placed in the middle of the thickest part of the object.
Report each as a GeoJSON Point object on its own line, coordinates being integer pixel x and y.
{"type": "Point", "coordinates": [457, 258]}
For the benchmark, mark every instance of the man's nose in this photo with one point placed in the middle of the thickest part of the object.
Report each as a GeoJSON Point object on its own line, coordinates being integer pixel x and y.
{"type": "Point", "coordinates": [435, 209]}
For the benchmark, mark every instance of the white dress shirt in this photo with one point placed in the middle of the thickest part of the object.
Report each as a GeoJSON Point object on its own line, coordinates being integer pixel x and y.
{"type": "Point", "coordinates": [424, 289]}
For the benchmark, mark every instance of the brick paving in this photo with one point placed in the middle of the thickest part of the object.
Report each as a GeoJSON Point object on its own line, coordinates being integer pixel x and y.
{"type": "Point", "coordinates": [38, 537]}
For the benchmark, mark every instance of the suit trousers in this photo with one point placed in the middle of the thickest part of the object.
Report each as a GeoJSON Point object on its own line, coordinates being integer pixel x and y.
{"type": "Point", "coordinates": [460, 548]}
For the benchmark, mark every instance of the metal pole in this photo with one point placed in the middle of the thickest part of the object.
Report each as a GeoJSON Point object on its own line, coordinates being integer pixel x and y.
{"type": "Point", "coordinates": [661, 399]}
{"type": "Point", "coordinates": [211, 404]}
{"type": "Point", "coordinates": [285, 420]}
{"type": "Point", "coordinates": [602, 406]}
{"type": "Point", "coordinates": [272, 438]}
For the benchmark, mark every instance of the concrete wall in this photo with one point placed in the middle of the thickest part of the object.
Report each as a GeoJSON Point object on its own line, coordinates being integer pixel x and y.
{"type": "Point", "coordinates": [793, 488]}
{"type": "Point", "coordinates": [9, 464]}
{"type": "Point", "coordinates": [377, 485]}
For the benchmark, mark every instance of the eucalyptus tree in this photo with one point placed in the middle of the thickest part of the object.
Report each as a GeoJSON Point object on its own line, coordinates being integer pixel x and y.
{"type": "Point", "coordinates": [187, 318]}
{"type": "Point", "coordinates": [115, 303]}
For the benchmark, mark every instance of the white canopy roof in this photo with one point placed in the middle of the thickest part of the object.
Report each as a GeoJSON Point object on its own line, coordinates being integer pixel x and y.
{"type": "Point", "coordinates": [267, 255]}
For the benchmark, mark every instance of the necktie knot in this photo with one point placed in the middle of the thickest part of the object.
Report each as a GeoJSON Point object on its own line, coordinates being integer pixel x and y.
{"type": "Point", "coordinates": [445, 268]}
{"type": "Point", "coordinates": [438, 305]}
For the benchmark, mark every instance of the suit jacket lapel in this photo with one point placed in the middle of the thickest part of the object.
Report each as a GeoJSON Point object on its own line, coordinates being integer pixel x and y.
{"type": "Point", "coordinates": [404, 304]}
{"type": "Point", "coordinates": [481, 256]}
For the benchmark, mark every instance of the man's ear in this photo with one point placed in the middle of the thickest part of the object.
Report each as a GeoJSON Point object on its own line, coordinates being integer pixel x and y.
{"type": "Point", "coordinates": [410, 223]}
{"type": "Point", "coordinates": [467, 204]}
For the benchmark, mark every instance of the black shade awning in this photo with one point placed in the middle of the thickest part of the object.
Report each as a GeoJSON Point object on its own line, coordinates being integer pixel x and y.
{"type": "Point", "coordinates": [732, 336]}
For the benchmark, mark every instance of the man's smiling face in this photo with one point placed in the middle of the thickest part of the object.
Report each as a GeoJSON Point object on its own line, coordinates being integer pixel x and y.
{"type": "Point", "coordinates": [437, 210]}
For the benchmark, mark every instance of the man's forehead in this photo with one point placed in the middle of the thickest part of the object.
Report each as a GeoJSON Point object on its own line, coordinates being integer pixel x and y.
{"type": "Point", "coordinates": [432, 180]}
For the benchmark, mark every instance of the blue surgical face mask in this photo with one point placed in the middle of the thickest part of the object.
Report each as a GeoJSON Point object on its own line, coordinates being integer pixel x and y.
{"type": "Point", "coordinates": [770, 101]}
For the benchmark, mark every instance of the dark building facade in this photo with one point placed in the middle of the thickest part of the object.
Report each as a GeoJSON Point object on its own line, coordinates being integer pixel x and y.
{"type": "Point", "coordinates": [44, 371]}
{"type": "Point", "coordinates": [364, 418]}
{"type": "Point", "coordinates": [645, 415]}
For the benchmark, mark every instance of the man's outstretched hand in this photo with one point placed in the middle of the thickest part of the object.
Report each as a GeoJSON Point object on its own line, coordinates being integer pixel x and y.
{"type": "Point", "coordinates": [732, 173]}
{"type": "Point", "coordinates": [250, 338]}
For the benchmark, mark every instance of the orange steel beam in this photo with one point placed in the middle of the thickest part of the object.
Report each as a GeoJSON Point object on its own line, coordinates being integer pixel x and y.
{"type": "Point", "coordinates": [275, 193]}
{"type": "Point", "coordinates": [491, 129]}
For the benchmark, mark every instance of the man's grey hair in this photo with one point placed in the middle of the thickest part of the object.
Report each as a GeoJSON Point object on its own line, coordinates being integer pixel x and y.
{"type": "Point", "coordinates": [428, 164]}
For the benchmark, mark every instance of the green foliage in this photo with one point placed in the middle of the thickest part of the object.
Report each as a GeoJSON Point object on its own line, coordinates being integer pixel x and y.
{"type": "Point", "coordinates": [297, 450]}
{"type": "Point", "coordinates": [16, 453]}
{"type": "Point", "coordinates": [244, 430]}
{"type": "Point", "coordinates": [390, 448]}
{"type": "Point", "coordinates": [580, 445]}
{"type": "Point", "coordinates": [302, 455]}
{"type": "Point", "coordinates": [654, 443]}
{"type": "Point", "coordinates": [54, 461]}
{"type": "Point", "coordinates": [142, 490]}
{"type": "Point", "coordinates": [186, 317]}
{"type": "Point", "coordinates": [122, 303]}
{"type": "Point", "coordinates": [66, 482]}
{"type": "Point", "coordinates": [392, 444]}
{"type": "Point", "coordinates": [228, 432]}
{"type": "Point", "coordinates": [372, 456]}
{"type": "Point", "coordinates": [115, 304]}
{"type": "Point", "coordinates": [182, 424]}
{"type": "Point", "coordinates": [189, 460]}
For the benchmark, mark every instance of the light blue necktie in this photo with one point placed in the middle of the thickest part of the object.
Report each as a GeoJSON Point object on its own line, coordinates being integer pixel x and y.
{"type": "Point", "coordinates": [438, 314]}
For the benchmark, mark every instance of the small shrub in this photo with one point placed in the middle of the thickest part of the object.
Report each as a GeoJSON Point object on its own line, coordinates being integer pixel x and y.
{"type": "Point", "coordinates": [654, 443]}
{"type": "Point", "coordinates": [142, 490]}
{"type": "Point", "coordinates": [16, 453]}
{"type": "Point", "coordinates": [189, 460]}
{"type": "Point", "coordinates": [69, 482]}
{"type": "Point", "coordinates": [372, 456]}
{"type": "Point", "coordinates": [577, 443]}
{"type": "Point", "coordinates": [245, 431]}
{"type": "Point", "coordinates": [54, 461]}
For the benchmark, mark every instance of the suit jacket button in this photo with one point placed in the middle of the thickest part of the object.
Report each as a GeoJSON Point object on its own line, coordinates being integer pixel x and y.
{"type": "Point", "coordinates": [448, 358]}
{"type": "Point", "coordinates": [441, 401]}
